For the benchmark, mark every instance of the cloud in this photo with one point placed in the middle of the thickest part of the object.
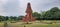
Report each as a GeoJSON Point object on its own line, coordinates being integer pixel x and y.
{"type": "Point", "coordinates": [11, 7]}
{"type": "Point", "coordinates": [1, 6]}
{"type": "Point", "coordinates": [44, 5]}
{"type": "Point", "coordinates": [18, 7]}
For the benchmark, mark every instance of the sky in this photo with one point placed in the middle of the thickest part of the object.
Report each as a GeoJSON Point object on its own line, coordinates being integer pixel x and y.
{"type": "Point", "coordinates": [18, 7]}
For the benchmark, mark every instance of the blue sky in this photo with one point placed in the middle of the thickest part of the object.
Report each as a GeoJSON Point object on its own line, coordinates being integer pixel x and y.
{"type": "Point", "coordinates": [18, 7]}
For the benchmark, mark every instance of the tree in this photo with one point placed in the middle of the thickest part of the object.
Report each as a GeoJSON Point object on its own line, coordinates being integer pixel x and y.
{"type": "Point", "coordinates": [53, 13]}
{"type": "Point", "coordinates": [11, 18]}
{"type": "Point", "coordinates": [20, 17]}
{"type": "Point", "coordinates": [6, 18]}
{"type": "Point", "coordinates": [2, 18]}
{"type": "Point", "coordinates": [36, 15]}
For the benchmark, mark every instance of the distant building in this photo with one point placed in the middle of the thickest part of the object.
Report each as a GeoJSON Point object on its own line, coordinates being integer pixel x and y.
{"type": "Point", "coordinates": [28, 17]}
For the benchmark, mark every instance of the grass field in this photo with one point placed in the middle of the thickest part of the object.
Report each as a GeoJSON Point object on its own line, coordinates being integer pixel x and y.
{"type": "Point", "coordinates": [34, 24]}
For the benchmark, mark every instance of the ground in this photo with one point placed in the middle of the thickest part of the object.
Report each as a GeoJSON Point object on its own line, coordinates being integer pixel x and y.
{"type": "Point", "coordinates": [34, 24]}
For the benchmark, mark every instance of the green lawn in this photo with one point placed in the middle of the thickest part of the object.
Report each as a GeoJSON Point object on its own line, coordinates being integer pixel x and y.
{"type": "Point", "coordinates": [34, 24]}
{"type": "Point", "coordinates": [1, 24]}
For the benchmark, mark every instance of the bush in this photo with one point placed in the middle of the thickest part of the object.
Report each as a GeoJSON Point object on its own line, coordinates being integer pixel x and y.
{"type": "Point", "coordinates": [13, 22]}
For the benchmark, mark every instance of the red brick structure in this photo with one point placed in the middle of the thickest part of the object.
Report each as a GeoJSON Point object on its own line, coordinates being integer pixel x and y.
{"type": "Point", "coordinates": [28, 17]}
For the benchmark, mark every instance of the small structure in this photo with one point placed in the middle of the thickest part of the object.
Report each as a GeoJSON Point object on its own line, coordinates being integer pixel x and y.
{"type": "Point", "coordinates": [5, 24]}
{"type": "Point", "coordinates": [24, 26]}
{"type": "Point", "coordinates": [28, 17]}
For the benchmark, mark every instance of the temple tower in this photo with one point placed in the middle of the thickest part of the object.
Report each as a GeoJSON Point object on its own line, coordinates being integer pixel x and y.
{"type": "Point", "coordinates": [28, 17]}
